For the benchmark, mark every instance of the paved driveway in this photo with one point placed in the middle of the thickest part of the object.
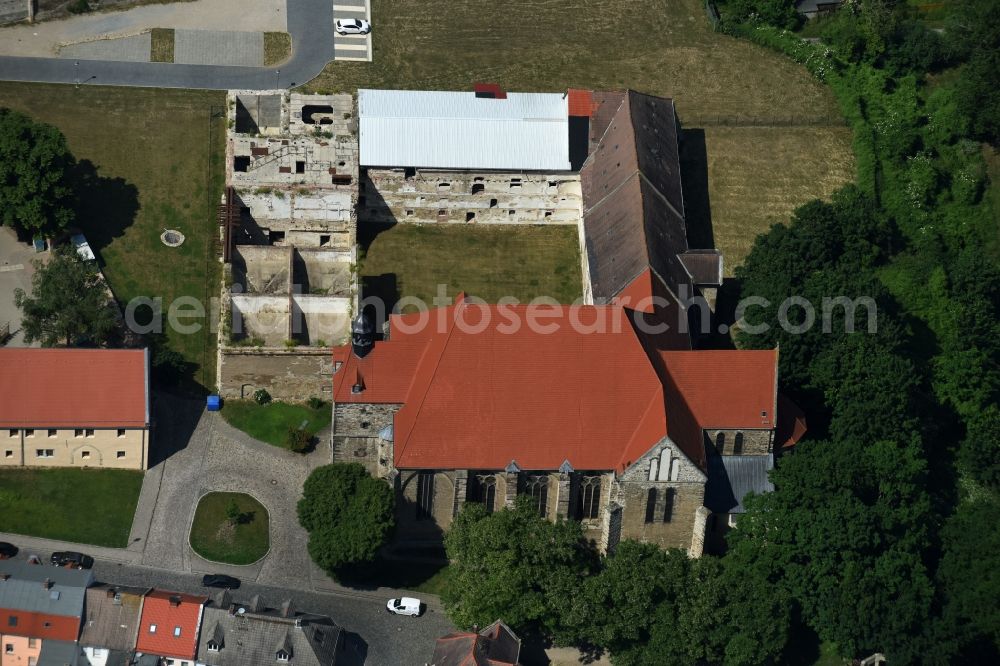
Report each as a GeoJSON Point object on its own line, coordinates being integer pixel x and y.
{"type": "Point", "coordinates": [209, 455]}
{"type": "Point", "coordinates": [15, 272]}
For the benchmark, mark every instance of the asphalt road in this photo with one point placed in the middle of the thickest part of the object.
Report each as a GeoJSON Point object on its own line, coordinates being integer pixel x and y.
{"type": "Point", "coordinates": [310, 23]}
{"type": "Point", "coordinates": [375, 636]}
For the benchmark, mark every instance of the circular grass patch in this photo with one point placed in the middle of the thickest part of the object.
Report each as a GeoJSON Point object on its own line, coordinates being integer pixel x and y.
{"type": "Point", "coordinates": [230, 528]}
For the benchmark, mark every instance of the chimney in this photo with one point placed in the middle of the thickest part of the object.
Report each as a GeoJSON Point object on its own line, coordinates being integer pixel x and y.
{"type": "Point", "coordinates": [175, 600]}
{"type": "Point", "coordinates": [362, 335]}
{"type": "Point", "coordinates": [287, 610]}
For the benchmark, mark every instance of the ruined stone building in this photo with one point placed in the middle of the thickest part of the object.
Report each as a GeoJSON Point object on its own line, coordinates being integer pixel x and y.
{"type": "Point", "coordinates": [573, 406]}
{"type": "Point", "coordinates": [289, 237]}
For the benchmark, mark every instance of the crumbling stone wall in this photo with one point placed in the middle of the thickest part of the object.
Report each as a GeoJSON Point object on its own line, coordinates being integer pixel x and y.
{"type": "Point", "coordinates": [423, 195]}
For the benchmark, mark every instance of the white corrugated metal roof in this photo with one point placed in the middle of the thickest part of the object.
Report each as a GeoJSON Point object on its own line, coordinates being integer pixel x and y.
{"type": "Point", "coordinates": [457, 130]}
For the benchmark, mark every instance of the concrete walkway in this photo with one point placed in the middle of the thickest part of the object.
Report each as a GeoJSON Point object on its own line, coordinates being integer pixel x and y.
{"type": "Point", "coordinates": [219, 47]}
{"type": "Point", "coordinates": [309, 22]}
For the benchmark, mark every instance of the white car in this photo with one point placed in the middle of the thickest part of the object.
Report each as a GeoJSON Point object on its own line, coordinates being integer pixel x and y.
{"type": "Point", "coordinates": [404, 606]}
{"type": "Point", "coordinates": [82, 247]}
{"type": "Point", "coordinates": [352, 26]}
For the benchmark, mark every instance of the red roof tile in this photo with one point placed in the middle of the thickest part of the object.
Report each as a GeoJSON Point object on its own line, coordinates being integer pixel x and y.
{"type": "Point", "coordinates": [479, 396]}
{"type": "Point", "coordinates": [727, 388]}
{"type": "Point", "coordinates": [98, 388]}
{"type": "Point", "coordinates": [158, 610]}
{"type": "Point", "coordinates": [581, 102]}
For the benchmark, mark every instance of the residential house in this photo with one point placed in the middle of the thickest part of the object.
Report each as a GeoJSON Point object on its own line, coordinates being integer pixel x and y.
{"type": "Point", "coordinates": [74, 408]}
{"type": "Point", "coordinates": [60, 653]}
{"type": "Point", "coordinates": [168, 627]}
{"type": "Point", "coordinates": [252, 635]}
{"type": "Point", "coordinates": [111, 624]}
{"type": "Point", "coordinates": [585, 415]}
{"type": "Point", "coordinates": [39, 605]}
{"type": "Point", "coordinates": [496, 645]}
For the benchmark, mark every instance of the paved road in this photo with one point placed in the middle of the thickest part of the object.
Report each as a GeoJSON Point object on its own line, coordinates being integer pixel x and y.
{"type": "Point", "coordinates": [377, 637]}
{"type": "Point", "coordinates": [310, 23]}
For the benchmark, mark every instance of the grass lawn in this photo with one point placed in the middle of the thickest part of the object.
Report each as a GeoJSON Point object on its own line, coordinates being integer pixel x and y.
{"type": "Point", "coordinates": [214, 537]}
{"type": "Point", "coordinates": [270, 423]}
{"type": "Point", "coordinates": [485, 261]}
{"type": "Point", "coordinates": [154, 160]}
{"type": "Point", "coordinates": [91, 506]}
{"type": "Point", "coordinates": [723, 87]}
{"type": "Point", "coordinates": [277, 48]}
{"type": "Point", "coordinates": [161, 47]}
{"type": "Point", "coordinates": [757, 176]}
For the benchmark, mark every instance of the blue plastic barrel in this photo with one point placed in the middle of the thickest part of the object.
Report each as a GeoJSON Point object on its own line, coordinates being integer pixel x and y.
{"type": "Point", "coordinates": [214, 403]}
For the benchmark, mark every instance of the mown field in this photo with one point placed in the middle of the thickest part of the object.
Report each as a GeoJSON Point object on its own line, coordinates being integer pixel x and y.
{"type": "Point", "coordinates": [152, 160]}
{"type": "Point", "coordinates": [489, 262]}
{"type": "Point", "coordinates": [723, 87]}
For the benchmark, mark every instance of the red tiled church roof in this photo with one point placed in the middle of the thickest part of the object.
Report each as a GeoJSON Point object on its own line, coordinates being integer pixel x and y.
{"type": "Point", "coordinates": [158, 609]}
{"type": "Point", "coordinates": [585, 391]}
{"type": "Point", "coordinates": [97, 388]}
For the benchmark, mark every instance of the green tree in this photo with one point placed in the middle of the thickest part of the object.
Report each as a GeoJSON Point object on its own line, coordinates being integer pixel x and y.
{"type": "Point", "coordinates": [35, 190]}
{"type": "Point", "coordinates": [779, 13]}
{"type": "Point", "coordinates": [348, 514]}
{"type": "Point", "coordinates": [233, 512]}
{"type": "Point", "coordinates": [513, 564]}
{"type": "Point", "coordinates": [69, 302]}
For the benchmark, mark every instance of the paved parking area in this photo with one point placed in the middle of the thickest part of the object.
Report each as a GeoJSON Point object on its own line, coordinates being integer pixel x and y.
{"type": "Point", "coordinates": [353, 47]}
{"type": "Point", "coordinates": [219, 47]}
{"type": "Point", "coordinates": [15, 272]}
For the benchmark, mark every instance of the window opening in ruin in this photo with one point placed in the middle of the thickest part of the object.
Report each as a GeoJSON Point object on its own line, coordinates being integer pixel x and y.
{"type": "Point", "coordinates": [493, 203]}
{"type": "Point", "coordinates": [425, 495]}
{"type": "Point", "coordinates": [650, 505]}
{"type": "Point", "coordinates": [515, 183]}
{"type": "Point", "coordinates": [537, 488]}
{"type": "Point", "coordinates": [720, 442]}
{"type": "Point", "coordinates": [738, 444]}
{"type": "Point", "coordinates": [241, 163]}
{"type": "Point", "coordinates": [478, 188]}
{"type": "Point", "coordinates": [409, 172]}
{"type": "Point", "coordinates": [485, 491]}
{"type": "Point", "coordinates": [300, 166]}
{"type": "Point", "coordinates": [276, 236]}
{"type": "Point", "coordinates": [590, 497]}
{"type": "Point", "coordinates": [324, 240]}
{"type": "Point", "coordinates": [668, 505]}
{"type": "Point", "coordinates": [470, 216]}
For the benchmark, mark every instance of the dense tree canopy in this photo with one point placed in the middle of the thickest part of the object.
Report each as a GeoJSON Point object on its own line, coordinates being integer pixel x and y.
{"type": "Point", "coordinates": [348, 514]}
{"type": "Point", "coordinates": [514, 565]}
{"type": "Point", "coordinates": [35, 190]}
{"type": "Point", "coordinates": [69, 302]}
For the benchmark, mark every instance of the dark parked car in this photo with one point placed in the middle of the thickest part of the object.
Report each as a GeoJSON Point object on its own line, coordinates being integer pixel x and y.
{"type": "Point", "coordinates": [7, 550]}
{"type": "Point", "coordinates": [73, 559]}
{"type": "Point", "coordinates": [220, 580]}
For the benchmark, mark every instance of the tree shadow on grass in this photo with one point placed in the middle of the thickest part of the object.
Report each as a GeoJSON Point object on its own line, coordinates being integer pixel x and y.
{"type": "Point", "coordinates": [105, 207]}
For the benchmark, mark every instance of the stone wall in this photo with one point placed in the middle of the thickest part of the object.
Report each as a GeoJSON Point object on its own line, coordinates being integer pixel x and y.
{"type": "Point", "coordinates": [12, 11]}
{"type": "Point", "coordinates": [356, 429]}
{"type": "Point", "coordinates": [740, 442]}
{"type": "Point", "coordinates": [422, 195]}
{"type": "Point", "coordinates": [291, 375]}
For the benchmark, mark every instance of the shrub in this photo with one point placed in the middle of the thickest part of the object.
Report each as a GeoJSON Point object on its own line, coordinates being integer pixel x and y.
{"type": "Point", "coordinates": [298, 440]}
{"type": "Point", "coordinates": [261, 396]}
{"type": "Point", "coordinates": [315, 403]}
{"type": "Point", "coordinates": [291, 343]}
{"type": "Point", "coordinates": [79, 7]}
